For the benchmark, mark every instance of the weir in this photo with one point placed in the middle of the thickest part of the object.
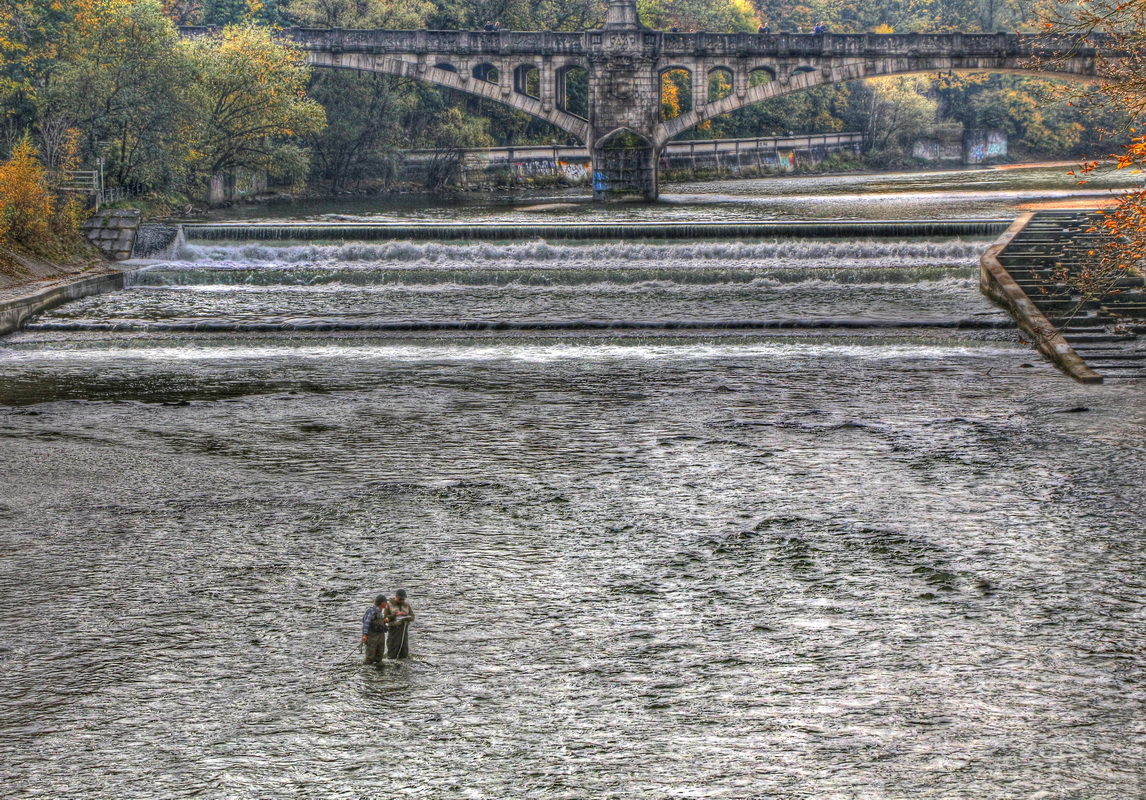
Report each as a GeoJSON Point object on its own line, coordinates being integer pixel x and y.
{"type": "Point", "coordinates": [257, 231]}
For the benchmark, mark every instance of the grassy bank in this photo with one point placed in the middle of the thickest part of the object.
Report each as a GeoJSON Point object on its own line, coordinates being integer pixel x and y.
{"type": "Point", "coordinates": [21, 270]}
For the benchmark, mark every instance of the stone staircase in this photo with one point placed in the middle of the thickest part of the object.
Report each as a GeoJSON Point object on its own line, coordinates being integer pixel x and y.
{"type": "Point", "coordinates": [1103, 331]}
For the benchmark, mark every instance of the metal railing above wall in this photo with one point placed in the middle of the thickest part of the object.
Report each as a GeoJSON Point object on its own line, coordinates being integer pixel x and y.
{"type": "Point", "coordinates": [690, 147]}
{"type": "Point", "coordinates": [90, 182]}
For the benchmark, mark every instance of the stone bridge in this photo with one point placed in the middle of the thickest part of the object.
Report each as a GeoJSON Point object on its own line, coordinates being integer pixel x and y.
{"type": "Point", "coordinates": [620, 121]}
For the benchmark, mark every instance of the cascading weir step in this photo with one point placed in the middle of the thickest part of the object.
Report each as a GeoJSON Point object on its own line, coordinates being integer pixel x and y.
{"type": "Point", "coordinates": [401, 231]}
{"type": "Point", "coordinates": [1029, 270]}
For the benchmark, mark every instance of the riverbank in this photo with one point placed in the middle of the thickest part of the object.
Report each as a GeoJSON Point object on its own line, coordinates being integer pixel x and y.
{"type": "Point", "coordinates": [30, 285]}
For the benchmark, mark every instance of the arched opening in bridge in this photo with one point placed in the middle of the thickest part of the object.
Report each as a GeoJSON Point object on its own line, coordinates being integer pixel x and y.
{"type": "Point", "coordinates": [573, 91]}
{"type": "Point", "coordinates": [760, 76]}
{"type": "Point", "coordinates": [802, 71]}
{"type": "Point", "coordinates": [527, 81]}
{"type": "Point", "coordinates": [719, 84]}
{"type": "Point", "coordinates": [446, 67]}
{"type": "Point", "coordinates": [486, 72]}
{"type": "Point", "coordinates": [624, 166]}
{"type": "Point", "coordinates": [676, 92]}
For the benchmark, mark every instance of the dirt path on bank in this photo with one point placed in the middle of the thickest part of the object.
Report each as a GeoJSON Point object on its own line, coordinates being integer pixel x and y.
{"type": "Point", "coordinates": [22, 274]}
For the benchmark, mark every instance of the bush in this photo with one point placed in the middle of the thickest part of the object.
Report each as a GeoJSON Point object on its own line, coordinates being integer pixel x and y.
{"type": "Point", "coordinates": [26, 204]}
{"type": "Point", "coordinates": [31, 216]}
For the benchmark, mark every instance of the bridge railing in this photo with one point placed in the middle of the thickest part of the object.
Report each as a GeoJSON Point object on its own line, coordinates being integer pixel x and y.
{"type": "Point", "coordinates": [425, 41]}
{"type": "Point", "coordinates": [656, 43]}
{"type": "Point", "coordinates": [692, 147]}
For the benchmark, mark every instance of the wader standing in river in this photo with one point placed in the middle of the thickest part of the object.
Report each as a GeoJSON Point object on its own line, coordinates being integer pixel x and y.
{"type": "Point", "coordinates": [374, 629]}
{"type": "Point", "coordinates": [401, 615]}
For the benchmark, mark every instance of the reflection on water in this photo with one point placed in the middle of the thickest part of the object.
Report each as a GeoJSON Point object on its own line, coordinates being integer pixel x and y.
{"type": "Point", "coordinates": [885, 562]}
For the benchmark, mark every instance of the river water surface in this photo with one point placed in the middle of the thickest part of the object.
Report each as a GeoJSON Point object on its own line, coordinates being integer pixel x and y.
{"type": "Point", "coordinates": [865, 545]}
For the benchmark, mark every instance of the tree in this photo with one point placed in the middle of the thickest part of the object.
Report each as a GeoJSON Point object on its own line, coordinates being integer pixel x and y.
{"type": "Point", "coordinates": [391, 14]}
{"type": "Point", "coordinates": [30, 215]}
{"type": "Point", "coordinates": [699, 15]}
{"type": "Point", "coordinates": [120, 77]}
{"type": "Point", "coordinates": [365, 114]}
{"type": "Point", "coordinates": [897, 110]}
{"type": "Point", "coordinates": [26, 203]}
{"type": "Point", "coordinates": [249, 103]}
{"type": "Point", "coordinates": [1122, 86]}
{"type": "Point", "coordinates": [450, 133]}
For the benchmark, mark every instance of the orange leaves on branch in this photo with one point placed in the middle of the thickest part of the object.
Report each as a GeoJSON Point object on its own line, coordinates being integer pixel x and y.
{"type": "Point", "coordinates": [26, 202]}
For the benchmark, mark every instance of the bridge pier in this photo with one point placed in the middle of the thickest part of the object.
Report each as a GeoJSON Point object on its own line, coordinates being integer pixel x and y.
{"type": "Point", "coordinates": [625, 166]}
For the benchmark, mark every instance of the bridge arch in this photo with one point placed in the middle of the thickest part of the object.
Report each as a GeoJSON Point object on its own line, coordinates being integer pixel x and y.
{"type": "Point", "coordinates": [813, 77]}
{"type": "Point", "coordinates": [448, 75]}
{"type": "Point", "coordinates": [485, 71]}
{"type": "Point", "coordinates": [719, 84]}
{"type": "Point", "coordinates": [524, 75]}
{"type": "Point", "coordinates": [565, 73]}
{"type": "Point", "coordinates": [761, 74]}
{"type": "Point", "coordinates": [686, 87]}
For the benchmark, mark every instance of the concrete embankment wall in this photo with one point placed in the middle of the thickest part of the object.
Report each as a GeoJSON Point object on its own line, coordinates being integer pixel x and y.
{"type": "Point", "coordinates": [16, 311]}
{"type": "Point", "coordinates": [526, 163]}
{"type": "Point", "coordinates": [113, 231]}
{"type": "Point", "coordinates": [996, 283]}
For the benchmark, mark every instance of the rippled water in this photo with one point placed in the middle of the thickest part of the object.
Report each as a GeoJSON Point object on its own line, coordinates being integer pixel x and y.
{"type": "Point", "coordinates": [981, 193]}
{"type": "Point", "coordinates": [904, 559]}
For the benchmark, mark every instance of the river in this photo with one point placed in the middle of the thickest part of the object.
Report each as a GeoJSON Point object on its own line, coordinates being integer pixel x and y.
{"type": "Point", "coordinates": [870, 546]}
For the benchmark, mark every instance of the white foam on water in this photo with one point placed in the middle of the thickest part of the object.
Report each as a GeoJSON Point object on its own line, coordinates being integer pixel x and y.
{"type": "Point", "coordinates": [544, 255]}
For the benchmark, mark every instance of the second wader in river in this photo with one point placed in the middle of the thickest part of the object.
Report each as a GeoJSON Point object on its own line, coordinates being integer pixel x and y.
{"type": "Point", "coordinates": [374, 629]}
{"type": "Point", "coordinates": [399, 618]}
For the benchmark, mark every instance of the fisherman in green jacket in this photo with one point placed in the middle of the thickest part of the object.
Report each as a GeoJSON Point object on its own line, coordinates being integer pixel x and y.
{"type": "Point", "coordinates": [399, 617]}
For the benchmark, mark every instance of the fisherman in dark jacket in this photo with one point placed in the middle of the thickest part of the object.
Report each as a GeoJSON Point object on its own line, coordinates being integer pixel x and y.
{"type": "Point", "coordinates": [374, 629]}
{"type": "Point", "coordinates": [399, 618]}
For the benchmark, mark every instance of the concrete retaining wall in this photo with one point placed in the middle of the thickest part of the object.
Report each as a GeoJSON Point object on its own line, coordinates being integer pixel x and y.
{"type": "Point", "coordinates": [14, 313]}
{"type": "Point", "coordinates": [113, 232]}
{"type": "Point", "coordinates": [996, 283]}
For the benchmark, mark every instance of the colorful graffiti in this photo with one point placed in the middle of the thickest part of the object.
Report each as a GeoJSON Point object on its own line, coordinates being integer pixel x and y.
{"type": "Point", "coordinates": [572, 171]}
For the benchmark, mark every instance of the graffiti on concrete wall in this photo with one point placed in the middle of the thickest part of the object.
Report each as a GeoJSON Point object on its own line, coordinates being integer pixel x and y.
{"type": "Point", "coordinates": [982, 145]}
{"type": "Point", "coordinates": [573, 171]}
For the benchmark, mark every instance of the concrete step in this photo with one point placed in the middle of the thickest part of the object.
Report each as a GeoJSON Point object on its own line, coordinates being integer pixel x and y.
{"type": "Point", "coordinates": [1089, 338]}
{"type": "Point", "coordinates": [1103, 368]}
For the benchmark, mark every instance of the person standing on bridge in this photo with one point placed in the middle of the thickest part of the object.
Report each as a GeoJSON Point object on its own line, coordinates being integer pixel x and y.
{"type": "Point", "coordinates": [398, 621]}
{"type": "Point", "coordinates": [765, 28]}
{"type": "Point", "coordinates": [374, 629]}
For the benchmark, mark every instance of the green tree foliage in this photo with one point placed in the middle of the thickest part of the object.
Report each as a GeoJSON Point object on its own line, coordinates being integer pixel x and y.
{"type": "Point", "coordinates": [391, 14]}
{"type": "Point", "coordinates": [120, 79]}
{"type": "Point", "coordinates": [29, 33]}
{"type": "Point", "coordinates": [519, 15]}
{"type": "Point", "coordinates": [450, 132]}
{"type": "Point", "coordinates": [366, 115]}
{"type": "Point", "coordinates": [249, 103]}
{"type": "Point", "coordinates": [718, 16]}
{"type": "Point", "coordinates": [902, 16]}
{"type": "Point", "coordinates": [896, 111]}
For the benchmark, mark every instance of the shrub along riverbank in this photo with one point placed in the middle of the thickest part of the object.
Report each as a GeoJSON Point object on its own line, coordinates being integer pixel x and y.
{"type": "Point", "coordinates": [39, 228]}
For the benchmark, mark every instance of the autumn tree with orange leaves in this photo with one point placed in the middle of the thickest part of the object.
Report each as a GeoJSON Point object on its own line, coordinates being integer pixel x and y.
{"type": "Point", "coordinates": [1122, 88]}
{"type": "Point", "coordinates": [32, 216]}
